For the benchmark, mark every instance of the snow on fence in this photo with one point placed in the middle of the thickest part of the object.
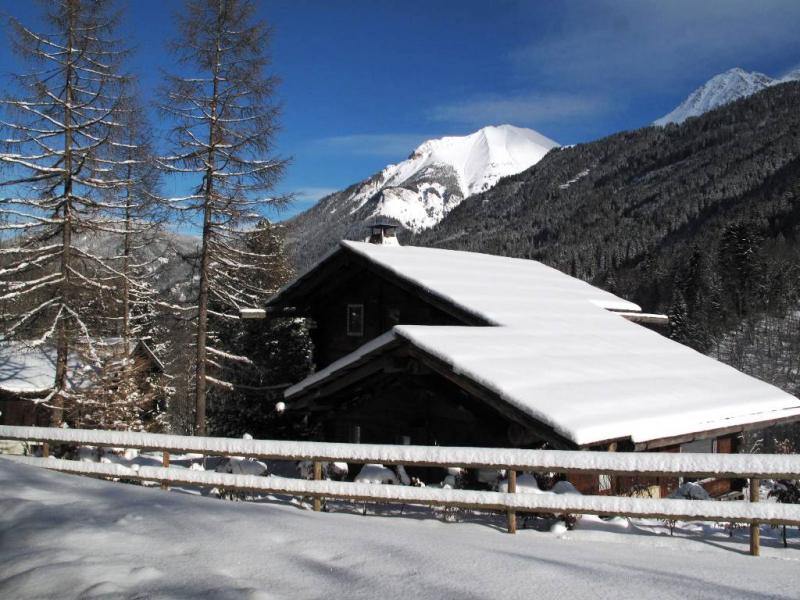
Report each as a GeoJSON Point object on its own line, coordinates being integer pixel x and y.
{"type": "Point", "coordinates": [752, 467]}
{"type": "Point", "coordinates": [655, 464]}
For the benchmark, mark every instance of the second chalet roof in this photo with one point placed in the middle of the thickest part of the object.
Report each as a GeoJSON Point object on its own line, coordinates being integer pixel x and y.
{"type": "Point", "coordinates": [557, 353]}
{"type": "Point", "coordinates": [30, 368]}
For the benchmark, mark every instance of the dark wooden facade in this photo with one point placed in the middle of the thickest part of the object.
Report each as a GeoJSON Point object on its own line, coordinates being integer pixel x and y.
{"type": "Point", "coordinates": [19, 409]}
{"type": "Point", "coordinates": [346, 280]}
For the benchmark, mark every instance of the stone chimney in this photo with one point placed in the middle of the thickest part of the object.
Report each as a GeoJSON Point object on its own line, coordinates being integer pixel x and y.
{"type": "Point", "coordinates": [383, 234]}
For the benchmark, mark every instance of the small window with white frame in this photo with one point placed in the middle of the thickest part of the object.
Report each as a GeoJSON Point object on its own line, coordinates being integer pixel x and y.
{"type": "Point", "coordinates": [355, 320]}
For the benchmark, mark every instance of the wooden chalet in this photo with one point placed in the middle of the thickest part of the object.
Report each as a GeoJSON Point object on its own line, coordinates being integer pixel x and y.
{"type": "Point", "coordinates": [439, 347]}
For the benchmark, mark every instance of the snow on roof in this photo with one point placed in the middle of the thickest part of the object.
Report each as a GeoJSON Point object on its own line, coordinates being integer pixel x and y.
{"type": "Point", "coordinates": [31, 369]}
{"type": "Point", "coordinates": [614, 381]}
{"type": "Point", "coordinates": [561, 357]}
{"type": "Point", "coordinates": [28, 369]}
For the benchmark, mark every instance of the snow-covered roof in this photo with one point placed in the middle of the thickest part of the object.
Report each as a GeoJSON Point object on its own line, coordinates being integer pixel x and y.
{"type": "Point", "coordinates": [559, 354]}
{"type": "Point", "coordinates": [26, 369]}
{"type": "Point", "coordinates": [31, 369]}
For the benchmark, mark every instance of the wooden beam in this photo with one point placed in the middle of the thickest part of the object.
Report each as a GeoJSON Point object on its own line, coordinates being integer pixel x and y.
{"type": "Point", "coordinates": [421, 456]}
{"type": "Point", "coordinates": [165, 464]}
{"type": "Point", "coordinates": [644, 318]}
{"type": "Point", "coordinates": [533, 503]}
{"type": "Point", "coordinates": [713, 433]}
{"type": "Point", "coordinates": [317, 477]}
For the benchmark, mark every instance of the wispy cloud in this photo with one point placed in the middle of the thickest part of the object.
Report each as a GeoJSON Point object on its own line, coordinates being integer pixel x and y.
{"type": "Point", "coordinates": [522, 109]}
{"type": "Point", "coordinates": [312, 194]}
{"type": "Point", "coordinates": [608, 43]}
{"type": "Point", "coordinates": [388, 145]}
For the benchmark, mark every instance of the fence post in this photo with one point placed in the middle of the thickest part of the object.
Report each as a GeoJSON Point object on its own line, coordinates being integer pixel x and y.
{"type": "Point", "coordinates": [165, 464]}
{"type": "Point", "coordinates": [45, 450]}
{"type": "Point", "coordinates": [755, 526]}
{"type": "Point", "coordinates": [512, 489]}
{"type": "Point", "coordinates": [317, 477]}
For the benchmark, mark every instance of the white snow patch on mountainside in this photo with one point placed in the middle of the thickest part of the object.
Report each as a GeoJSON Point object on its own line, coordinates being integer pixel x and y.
{"type": "Point", "coordinates": [722, 89]}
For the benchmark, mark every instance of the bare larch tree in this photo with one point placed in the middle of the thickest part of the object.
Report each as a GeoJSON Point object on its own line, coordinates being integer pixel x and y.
{"type": "Point", "coordinates": [125, 392]}
{"type": "Point", "coordinates": [140, 217]}
{"type": "Point", "coordinates": [62, 174]}
{"type": "Point", "coordinates": [224, 125]}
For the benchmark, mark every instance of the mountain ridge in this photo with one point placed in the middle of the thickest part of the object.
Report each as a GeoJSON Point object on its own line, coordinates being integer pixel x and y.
{"type": "Point", "coordinates": [722, 89]}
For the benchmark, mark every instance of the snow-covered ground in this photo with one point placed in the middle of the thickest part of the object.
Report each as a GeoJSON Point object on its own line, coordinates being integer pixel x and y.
{"type": "Point", "coordinates": [68, 537]}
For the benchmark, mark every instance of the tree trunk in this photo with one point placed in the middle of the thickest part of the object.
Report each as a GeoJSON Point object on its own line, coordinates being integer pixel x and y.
{"type": "Point", "coordinates": [63, 345]}
{"type": "Point", "coordinates": [208, 208]}
{"type": "Point", "coordinates": [126, 261]}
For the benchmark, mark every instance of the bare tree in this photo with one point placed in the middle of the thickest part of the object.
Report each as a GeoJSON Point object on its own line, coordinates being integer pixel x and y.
{"type": "Point", "coordinates": [61, 150]}
{"type": "Point", "coordinates": [224, 126]}
{"type": "Point", "coordinates": [140, 220]}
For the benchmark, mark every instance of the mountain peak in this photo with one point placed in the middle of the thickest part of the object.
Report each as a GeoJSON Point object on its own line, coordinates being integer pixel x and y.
{"type": "Point", "coordinates": [721, 89]}
{"type": "Point", "coordinates": [420, 191]}
{"type": "Point", "coordinates": [479, 159]}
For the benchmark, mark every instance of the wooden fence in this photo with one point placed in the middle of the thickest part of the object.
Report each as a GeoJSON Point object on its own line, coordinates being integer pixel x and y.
{"type": "Point", "coordinates": [739, 466]}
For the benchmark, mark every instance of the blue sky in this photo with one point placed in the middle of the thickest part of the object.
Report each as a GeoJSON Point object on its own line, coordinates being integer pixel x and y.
{"type": "Point", "coordinates": [364, 82]}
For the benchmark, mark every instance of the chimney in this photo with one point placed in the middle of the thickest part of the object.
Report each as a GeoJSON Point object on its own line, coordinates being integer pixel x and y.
{"type": "Point", "coordinates": [383, 234]}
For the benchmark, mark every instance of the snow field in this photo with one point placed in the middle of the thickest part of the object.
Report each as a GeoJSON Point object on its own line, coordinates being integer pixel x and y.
{"type": "Point", "coordinates": [79, 538]}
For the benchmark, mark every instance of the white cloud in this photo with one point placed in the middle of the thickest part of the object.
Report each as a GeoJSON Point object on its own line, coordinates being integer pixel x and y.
{"type": "Point", "coordinates": [393, 145]}
{"type": "Point", "coordinates": [523, 109]}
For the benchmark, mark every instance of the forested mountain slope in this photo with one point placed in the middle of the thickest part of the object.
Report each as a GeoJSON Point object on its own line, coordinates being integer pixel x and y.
{"type": "Point", "coordinates": [700, 220]}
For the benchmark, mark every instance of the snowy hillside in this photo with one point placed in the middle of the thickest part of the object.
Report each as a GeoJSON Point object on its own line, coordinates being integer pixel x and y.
{"type": "Point", "coordinates": [170, 257]}
{"type": "Point", "coordinates": [420, 191]}
{"type": "Point", "coordinates": [720, 90]}
{"type": "Point", "coordinates": [71, 537]}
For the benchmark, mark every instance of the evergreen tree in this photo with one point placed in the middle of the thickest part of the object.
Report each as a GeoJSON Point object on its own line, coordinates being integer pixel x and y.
{"type": "Point", "coordinates": [278, 351]}
{"type": "Point", "coordinates": [740, 266]}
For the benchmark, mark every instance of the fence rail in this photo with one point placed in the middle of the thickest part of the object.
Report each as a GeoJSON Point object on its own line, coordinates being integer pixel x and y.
{"type": "Point", "coordinates": [752, 467]}
{"type": "Point", "coordinates": [655, 464]}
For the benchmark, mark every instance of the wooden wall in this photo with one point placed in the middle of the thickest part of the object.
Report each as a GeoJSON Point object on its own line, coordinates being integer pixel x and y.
{"type": "Point", "coordinates": [21, 411]}
{"type": "Point", "coordinates": [385, 305]}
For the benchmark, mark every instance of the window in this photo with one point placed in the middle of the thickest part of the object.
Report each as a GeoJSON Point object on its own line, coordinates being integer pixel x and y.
{"type": "Point", "coordinates": [700, 446]}
{"type": "Point", "coordinates": [355, 320]}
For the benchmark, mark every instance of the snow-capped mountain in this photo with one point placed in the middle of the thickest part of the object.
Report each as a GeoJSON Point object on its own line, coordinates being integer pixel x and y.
{"type": "Point", "coordinates": [720, 90]}
{"type": "Point", "coordinates": [420, 191]}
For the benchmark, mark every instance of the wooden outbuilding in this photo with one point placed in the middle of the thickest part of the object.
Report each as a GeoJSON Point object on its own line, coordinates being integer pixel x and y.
{"type": "Point", "coordinates": [27, 373]}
